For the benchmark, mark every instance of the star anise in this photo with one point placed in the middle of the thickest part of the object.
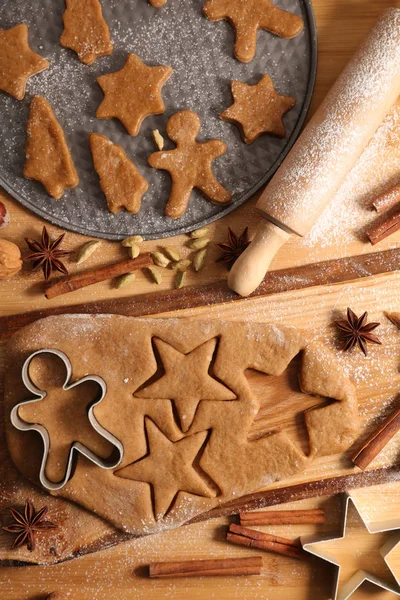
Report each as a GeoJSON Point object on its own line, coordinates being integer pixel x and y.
{"type": "Point", "coordinates": [27, 524]}
{"type": "Point", "coordinates": [357, 332]}
{"type": "Point", "coordinates": [46, 254]}
{"type": "Point", "coordinates": [234, 247]}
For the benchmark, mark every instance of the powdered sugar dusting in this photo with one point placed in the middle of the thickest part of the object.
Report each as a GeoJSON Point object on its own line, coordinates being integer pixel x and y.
{"type": "Point", "coordinates": [349, 214]}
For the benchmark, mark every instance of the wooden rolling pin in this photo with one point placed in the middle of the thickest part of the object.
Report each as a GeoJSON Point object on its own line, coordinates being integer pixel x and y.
{"type": "Point", "coordinates": [327, 150]}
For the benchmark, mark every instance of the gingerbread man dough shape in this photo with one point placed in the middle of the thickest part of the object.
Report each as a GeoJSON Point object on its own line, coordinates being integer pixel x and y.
{"type": "Point", "coordinates": [120, 180]}
{"type": "Point", "coordinates": [85, 30]}
{"type": "Point", "coordinates": [189, 164]}
{"type": "Point", "coordinates": [247, 17]}
{"type": "Point", "coordinates": [133, 93]}
{"type": "Point", "coordinates": [17, 61]}
{"type": "Point", "coordinates": [258, 109]}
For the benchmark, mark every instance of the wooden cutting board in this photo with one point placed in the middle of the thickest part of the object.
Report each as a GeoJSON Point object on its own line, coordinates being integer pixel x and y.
{"type": "Point", "coordinates": [116, 572]}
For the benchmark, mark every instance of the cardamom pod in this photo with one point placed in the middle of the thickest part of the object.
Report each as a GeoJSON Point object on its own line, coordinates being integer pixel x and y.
{"type": "Point", "coordinates": [171, 253]}
{"type": "Point", "coordinates": [158, 139]}
{"type": "Point", "coordinates": [159, 259]}
{"type": "Point", "coordinates": [199, 243]}
{"type": "Point", "coordinates": [134, 251]}
{"type": "Point", "coordinates": [125, 280]}
{"type": "Point", "coordinates": [86, 251]}
{"type": "Point", "coordinates": [133, 240]}
{"type": "Point", "coordinates": [180, 280]}
{"type": "Point", "coordinates": [199, 233]}
{"type": "Point", "coordinates": [199, 259]}
{"type": "Point", "coordinates": [181, 265]}
{"type": "Point", "coordinates": [154, 275]}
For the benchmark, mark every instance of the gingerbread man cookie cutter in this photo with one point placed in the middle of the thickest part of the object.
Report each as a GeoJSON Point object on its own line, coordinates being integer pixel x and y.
{"type": "Point", "coordinates": [76, 447]}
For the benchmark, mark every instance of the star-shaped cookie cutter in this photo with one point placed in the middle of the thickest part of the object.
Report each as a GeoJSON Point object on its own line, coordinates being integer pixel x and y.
{"type": "Point", "coordinates": [310, 544]}
{"type": "Point", "coordinates": [76, 446]}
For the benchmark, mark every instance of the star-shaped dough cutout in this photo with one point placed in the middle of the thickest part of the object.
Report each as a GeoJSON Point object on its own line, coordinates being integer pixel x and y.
{"type": "Point", "coordinates": [169, 467]}
{"type": "Point", "coordinates": [133, 93]}
{"type": "Point", "coordinates": [17, 61]}
{"type": "Point", "coordinates": [258, 109]}
{"type": "Point", "coordinates": [370, 563]}
{"type": "Point", "coordinates": [247, 17]}
{"type": "Point", "coordinates": [186, 380]}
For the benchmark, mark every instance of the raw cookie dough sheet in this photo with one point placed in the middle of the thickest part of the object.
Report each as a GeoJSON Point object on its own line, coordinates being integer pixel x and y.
{"type": "Point", "coordinates": [201, 54]}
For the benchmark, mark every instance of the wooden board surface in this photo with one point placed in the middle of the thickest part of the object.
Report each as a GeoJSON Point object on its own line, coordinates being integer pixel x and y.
{"type": "Point", "coordinates": [114, 573]}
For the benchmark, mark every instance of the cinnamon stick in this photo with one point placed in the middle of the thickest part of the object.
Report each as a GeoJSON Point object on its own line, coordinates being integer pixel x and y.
{"type": "Point", "coordinates": [377, 441]}
{"type": "Point", "coordinates": [76, 282]}
{"type": "Point", "coordinates": [264, 545]}
{"type": "Point", "coordinates": [384, 229]}
{"type": "Point", "coordinates": [260, 535]}
{"type": "Point", "coordinates": [283, 517]}
{"type": "Point", "coordinates": [387, 200]}
{"type": "Point", "coordinates": [325, 273]}
{"type": "Point", "coordinates": [250, 538]}
{"type": "Point", "coordinates": [208, 568]}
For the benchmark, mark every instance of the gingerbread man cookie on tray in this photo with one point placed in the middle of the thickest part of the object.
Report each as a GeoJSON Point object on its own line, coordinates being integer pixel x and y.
{"type": "Point", "coordinates": [190, 164]}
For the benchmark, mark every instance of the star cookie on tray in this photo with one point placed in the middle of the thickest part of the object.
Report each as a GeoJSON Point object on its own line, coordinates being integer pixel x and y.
{"type": "Point", "coordinates": [189, 164]}
{"type": "Point", "coordinates": [258, 109]}
{"type": "Point", "coordinates": [247, 17]}
{"type": "Point", "coordinates": [17, 61]}
{"type": "Point", "coordinates": [133, 93]}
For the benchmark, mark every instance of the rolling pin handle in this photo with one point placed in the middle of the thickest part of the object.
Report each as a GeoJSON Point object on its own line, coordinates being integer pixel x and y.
{"type": "Point", "coordinates": [249, 270]}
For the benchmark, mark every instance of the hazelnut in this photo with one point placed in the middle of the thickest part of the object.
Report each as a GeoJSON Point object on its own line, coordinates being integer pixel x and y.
{"type": "Point", "coordinates": [10, 259]}
{"type": "Point", "coordinates": [4, 216]}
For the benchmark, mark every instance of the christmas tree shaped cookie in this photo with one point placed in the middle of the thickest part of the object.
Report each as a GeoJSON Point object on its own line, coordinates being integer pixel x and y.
{"type": "Point", "coordinates": [48, 159]}
{"type": "Point", "coordinates": [120, 180]}
{"type": "Point", "coordinates": [85, 30]}
{"type": "Point", "coordinates": [17, 61]}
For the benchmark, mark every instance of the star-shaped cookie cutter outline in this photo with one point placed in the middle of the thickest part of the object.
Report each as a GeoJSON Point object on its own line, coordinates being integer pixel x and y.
{"type": "Point", "coordinates": [310, 543]}
{"type": "Point", "coordinates": [76, 447]}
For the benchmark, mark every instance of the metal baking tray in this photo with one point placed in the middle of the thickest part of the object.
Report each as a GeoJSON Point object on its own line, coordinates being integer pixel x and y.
{"type": "Point", "coordinates": [201, 54]}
